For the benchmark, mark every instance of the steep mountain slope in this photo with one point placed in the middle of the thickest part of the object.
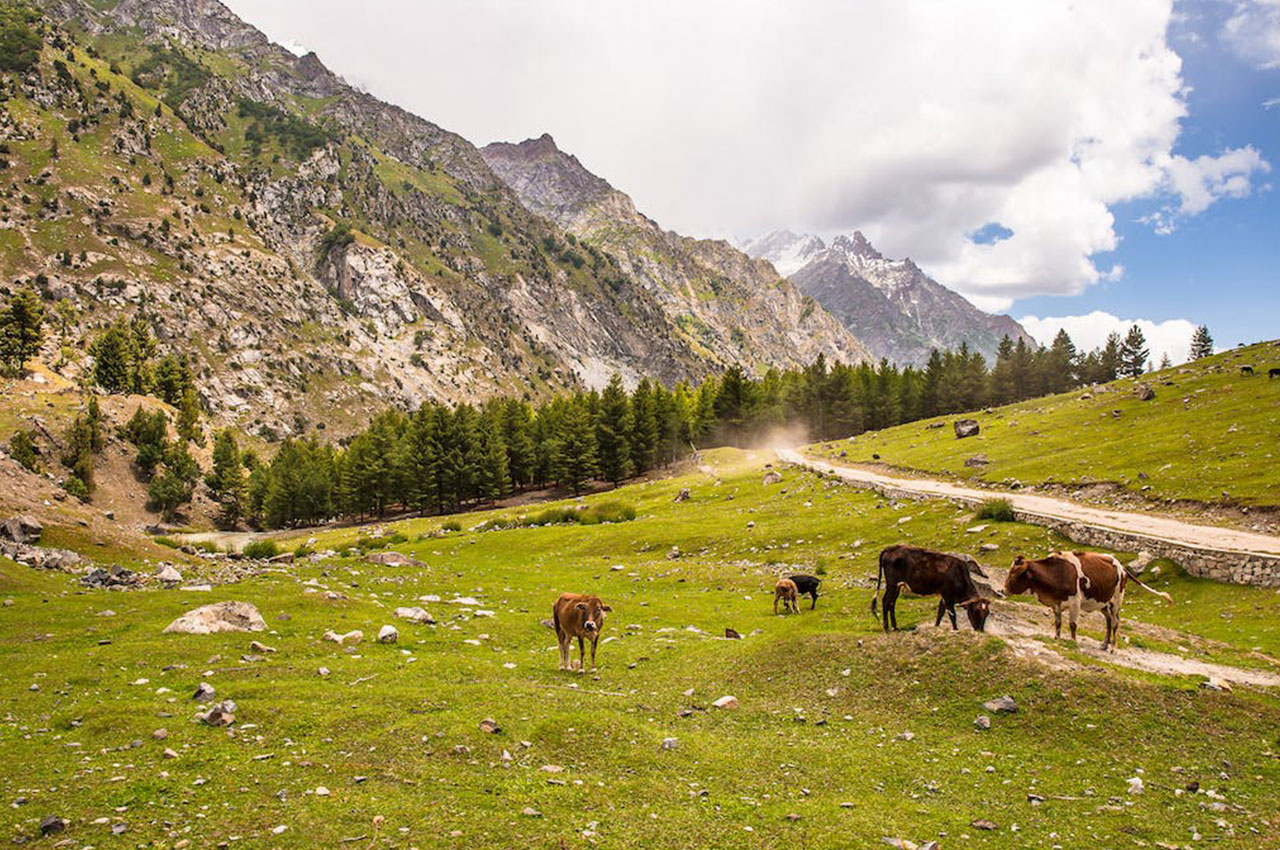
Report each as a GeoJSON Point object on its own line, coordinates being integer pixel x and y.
{"type": "Point", "coordinates": [316, 252]}
{"type": "Point", "coordinates": [891, 305]}
{"type": "Point", "coordinates": [733, 309]}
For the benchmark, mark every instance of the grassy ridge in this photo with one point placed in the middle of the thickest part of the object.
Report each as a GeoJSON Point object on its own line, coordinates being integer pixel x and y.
{"type": "Point", "coordinates": [395, 714]}
{"type": "Point", "coordinates": [1210, 435]}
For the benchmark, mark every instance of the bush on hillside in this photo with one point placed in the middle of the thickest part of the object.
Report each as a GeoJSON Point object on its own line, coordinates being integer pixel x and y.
{"type": "Point", "coordinates": [261, 550]}
{"type": "Point", "coordinates": [996, 510]}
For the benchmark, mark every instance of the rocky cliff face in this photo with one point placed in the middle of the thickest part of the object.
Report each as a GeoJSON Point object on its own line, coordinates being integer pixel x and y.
{"type": "Point", "coordinates": [726, 305]}
{"type": "Point", "coordinates": [320, 254]}
{"type": "Point", "coordinates": [891, 305]}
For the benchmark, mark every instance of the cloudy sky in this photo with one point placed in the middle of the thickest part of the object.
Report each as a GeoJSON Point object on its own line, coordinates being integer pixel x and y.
{"type": "Point", "coordinates": [1080, 163]}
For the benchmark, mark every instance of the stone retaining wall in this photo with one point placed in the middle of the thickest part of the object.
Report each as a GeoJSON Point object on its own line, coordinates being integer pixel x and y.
{"type": "Point", "coordinates": [1251, 568]}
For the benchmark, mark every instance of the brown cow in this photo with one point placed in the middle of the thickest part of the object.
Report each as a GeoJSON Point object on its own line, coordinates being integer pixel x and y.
{"type": "Point", "coordinates": [926, 572]}
{"type": "Point", "coordinates": [577, 615]}
{"type": "Point", "coordinates": [785, 590]}
{"type": "Point", "coordinates": [1077, 581]}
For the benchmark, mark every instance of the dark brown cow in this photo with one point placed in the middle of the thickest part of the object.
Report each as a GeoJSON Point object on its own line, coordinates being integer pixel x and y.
{"type": "Point", "coordinates": [576, 615]}
{"type": "Point", "coordinates": [1076, 581]}
{"type": "Point", "coordinates": [785, 590]}
{"type": "Point", "coordinates": [1273, 373]}
{"type": "Point", "coordinates": [926, 572]}
{"type": "Point", "coordinates": [807, 585]}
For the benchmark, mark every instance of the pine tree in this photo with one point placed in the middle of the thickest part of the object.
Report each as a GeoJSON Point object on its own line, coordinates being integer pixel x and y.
{"type": "Point", "coordinates": [1201, 343]}
{"type": "Point", "coordinates": [494, 482]}
{"type": "Point", "coordinates": [227, 481]}
{"type": "Point", "coordinates": [188, 424]}
{"type": "Point", "coordinates": [577, 450]}
{"type": "Point", "coordinates": [1002, 385]}
{"type": "Point", "coordinates": [21, 330]}
{"type": "Point", "coordinates": [1133, 353]}
{"type": "Point", "coordinates": [644, 427]}
{"type": "Point", "coordinates": [613, 450]}
{"type": "Point", "coordinates": [113, 359]}
{"type": "Point", "coordinates": [423, 458]}
{"type": "Point", "coordinates": [1110, 359]}
{"type": "Point", "coordinates": [1060, 365]}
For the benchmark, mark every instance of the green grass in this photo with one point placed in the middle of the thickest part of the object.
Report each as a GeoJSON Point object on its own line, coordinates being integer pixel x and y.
{"type": "Point", "coordinates": [395, 715]}
{"type": "Point", "coordinates": [1210, 437]}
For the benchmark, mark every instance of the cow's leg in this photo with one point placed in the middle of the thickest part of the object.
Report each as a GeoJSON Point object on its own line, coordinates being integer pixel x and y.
{"type": "Point", "coordinates": [942, 607]}
{"type": "Point", "coordinates": [1073, 611]}
{"type": "Point", "coordinates": [889, 599]}
{"type": "Point", "coordinates": [563, 640]}
{"type": "Point", "coordinates": [1057, 622]}
{"type": "Point", "coordinates": [815, 600]}
{"type": "Point", "coordinates": [775, 605]}
{"type": "Point", "coordinates": [582, 656]}
{"type": "Point", "coordinates": [594, 638]}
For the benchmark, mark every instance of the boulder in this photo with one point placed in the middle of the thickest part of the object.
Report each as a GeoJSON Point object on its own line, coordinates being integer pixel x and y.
{"type": "Point", "coordinates": [282, 558]}
{"type": "Point", "coordinates": [219, 617]}
{"type": "Point", "coordinates": [682, 496]}
{"type": "Point", "coordinates": [168, 575]}
{"type": "Point", "coordinates": [1139, 564]}
{"type": "Point", "coordinates": [977, 461]}
{"type": "Point", "coordinates": [222, 714]}
{"type": "Point", "coordinates": [388, 634]}
{"type": "Point", "coordinates": [966, 428]}
{"type": "Point", "coordinates": [108, 578]}
{"type": "Point", "coordinates": [392, 559]}
{"type": "Point", "coordinates": [1144, 392]}
{"type": "Point", "coordinates": [773, 476]}
{"type": "Point", "coordinates": [726, 702]}
{"type": "Point", "coordinates": [21, 529]}
{"type": "Point", "coordinates": [415, 614]}
{"type": "Point", "coordinates": [352, 637]}
{"type": "Point", "coordinates": [1001, 705]}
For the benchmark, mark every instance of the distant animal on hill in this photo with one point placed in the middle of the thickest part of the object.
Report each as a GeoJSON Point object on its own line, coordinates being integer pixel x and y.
{"type": "Point", "coordinates": [1273, 373]}
{"type": "Point", "coordinates": [925, 572]}
{"type": "Point", "coordinates": [1076, 581]}
{"type": "Point", "coordinates": [1246, 370]}
{"type": "Point", "coordinates": [807, 586]}
{"type": "Point", "coordinates": [785, 590]}
{"type": "Point", "coordinates": [577, 615]}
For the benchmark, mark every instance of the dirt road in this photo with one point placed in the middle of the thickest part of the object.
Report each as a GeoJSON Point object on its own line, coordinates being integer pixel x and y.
{"type": "Point", "coordinates": [1162, 528]}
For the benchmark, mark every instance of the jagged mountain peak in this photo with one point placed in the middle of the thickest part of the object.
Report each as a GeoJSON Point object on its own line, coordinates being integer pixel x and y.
{"type": "Point", "coordinates": [788, 251]}
{"type": "Point", "coordinates": [856, 245]}
{"type": "Point", "coordinates": [547, 180]}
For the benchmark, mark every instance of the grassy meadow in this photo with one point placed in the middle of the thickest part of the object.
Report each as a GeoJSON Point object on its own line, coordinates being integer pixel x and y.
{"type": "Point", "coordinates": [843, 736]}
{"type": "Point", "coordinates": [1210, 435]}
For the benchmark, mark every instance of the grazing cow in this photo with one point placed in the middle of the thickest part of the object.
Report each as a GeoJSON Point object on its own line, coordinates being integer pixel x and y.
{"type": "Point", "coordinates": [577, 615]}
{"type": "Point", "coordinates": [1076, 581]}
{"type": "Point", "coordinates": [925, 572]}
{"type": "Point", "coordinates": [1274, 372]}
{"type": "Point", "coordinates": [785, 590]}
{"type": "Point", "coordinates": [807, 586]}
{"type": "Point", "coordinates": [1246, 370]}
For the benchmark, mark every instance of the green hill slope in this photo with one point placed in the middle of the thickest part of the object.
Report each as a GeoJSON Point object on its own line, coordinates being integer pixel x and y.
{"type": "Point", "coordinates": [817, 754]}
{"type": "Point", "coordinates": [1211, 435]}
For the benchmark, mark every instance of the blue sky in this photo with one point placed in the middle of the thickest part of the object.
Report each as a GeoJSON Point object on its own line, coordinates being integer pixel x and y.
{"type": "Point", "coordinates": [1221, 266]}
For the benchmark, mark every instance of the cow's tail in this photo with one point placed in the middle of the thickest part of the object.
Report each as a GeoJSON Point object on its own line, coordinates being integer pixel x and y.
{"type": "Point", "coordinates": [1142, 584]}
{"type": "Point", "coordinates": [555, 618]}
{"type": "Point", "coordinates": [876, 596]}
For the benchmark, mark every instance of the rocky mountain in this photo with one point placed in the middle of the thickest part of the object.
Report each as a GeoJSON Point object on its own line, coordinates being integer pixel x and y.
{"type": "Point", "coordinates": [317, 253]}
{"type": "Point", "coordinates": [891, 305]}
{"type": "Point", "coordinates": [731, 308]}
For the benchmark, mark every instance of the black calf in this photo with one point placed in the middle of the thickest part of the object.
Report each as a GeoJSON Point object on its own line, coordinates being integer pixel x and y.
{"type": "Point", "coordinates": [807, 586]}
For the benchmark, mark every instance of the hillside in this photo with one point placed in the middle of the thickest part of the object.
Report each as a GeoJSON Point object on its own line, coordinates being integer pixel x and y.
{"type": "Point", "coordinates": [1209, 438]}
{"type": "Point", "coordinates": [737, 308]}
{"type": "Point", "coordinates": [898, 311]}
{"type": "Point", "coordinates": [579, 761]}
{"type": "Point", "coordinates": [317, 253]}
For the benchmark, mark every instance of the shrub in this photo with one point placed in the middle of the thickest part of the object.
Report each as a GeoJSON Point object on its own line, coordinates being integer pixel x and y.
{"type": "Point", "coordinates": [76, 487]}
{"type": "Point", "coordinates": [22, 449]}
{"type": "Point", "coordinates": [451, 525]}
{"type": "Point", "coordinates": [603, 512]}
{"type": "Point", "coordinates": [996, 510]}
{"type": "Point", "coordinates": [302, 551]}
{"type": "Point", "coordinates": [261, 550]}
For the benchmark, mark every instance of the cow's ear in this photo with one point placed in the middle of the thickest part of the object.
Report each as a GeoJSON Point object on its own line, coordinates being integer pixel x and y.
{"type": "Point", "coordinates": [607, 609]}
{"type": "Point", "coordinates": [581, 606]}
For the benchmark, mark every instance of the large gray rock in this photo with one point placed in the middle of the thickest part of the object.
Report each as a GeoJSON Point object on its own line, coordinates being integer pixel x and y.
{"type": "Point", "coordinates": [392, 559]}
{"type": "Point", "coordinates": [966, 428]}
{"type": "Point", "coordinates": [219, 617]}
{"type": "Point", "coordinates": [21, 529]}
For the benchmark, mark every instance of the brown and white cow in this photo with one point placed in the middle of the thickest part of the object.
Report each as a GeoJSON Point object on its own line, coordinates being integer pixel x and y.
{"type": "Point", "coordinates": [1076, 581]}
{"type": "Point", "coordinates": [786, 590]}
{"type": "Point", "coordinates": [577, 615]}
{"type": "Point", "coordinates": [925, 572]}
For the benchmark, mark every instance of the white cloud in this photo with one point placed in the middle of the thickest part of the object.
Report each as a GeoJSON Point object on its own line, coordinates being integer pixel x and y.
{"type": "Point", "coordinates": [1088, 332]}
{"type": "Point", "coordinates": [918, 122]}
{"type": "Point", "coordinates": [1253, 31]}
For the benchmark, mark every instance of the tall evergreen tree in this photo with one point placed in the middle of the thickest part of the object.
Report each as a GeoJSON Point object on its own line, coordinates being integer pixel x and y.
{"type": "Point", "coordinates": [613, 449]}
{"type": "Point", "coordinates": [226, 481]}
{"type": "Point", "coordinates": [1201, 343]}
{"type": "Point", "coordinates": [21, 329]}
{"type": "Point", "coordinates": [644, 427]}
{"type": "Point", "coordinates": [577, 448]}
{"type": "Point", "coordinates": [1133, 353]}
